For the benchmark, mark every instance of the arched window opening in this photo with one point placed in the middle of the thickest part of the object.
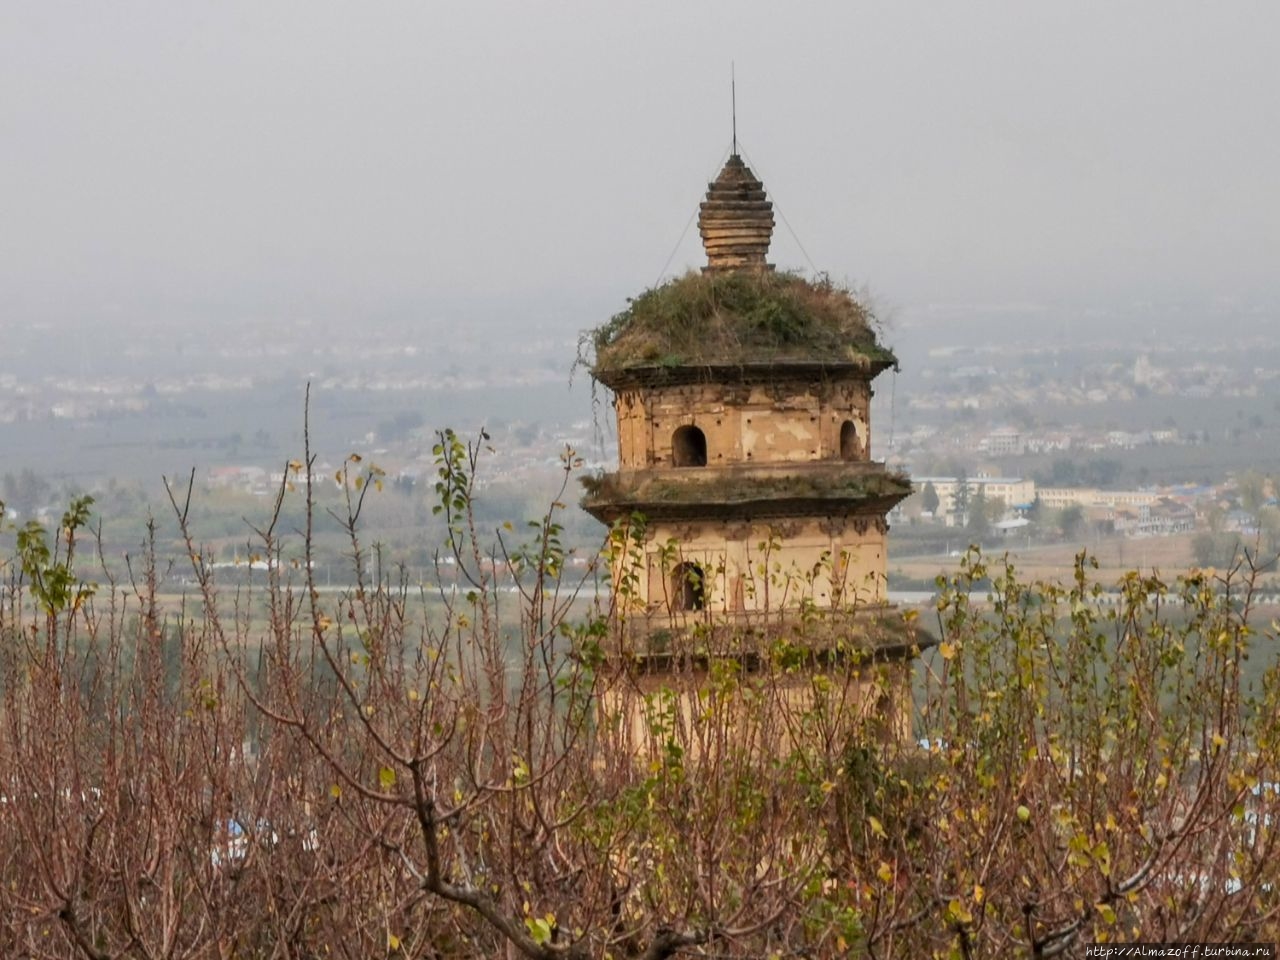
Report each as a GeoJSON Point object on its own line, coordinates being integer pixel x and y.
{"type": "Point", "coordinates": [850, 448]}
{"type": "Point", "coordinates": [688, 589]}
{"type": "Point", "coordinates": [689, 447]}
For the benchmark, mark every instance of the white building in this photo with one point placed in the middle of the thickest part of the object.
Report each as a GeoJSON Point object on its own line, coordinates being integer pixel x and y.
{"type": "Point", "coordinates": [1015, 492]}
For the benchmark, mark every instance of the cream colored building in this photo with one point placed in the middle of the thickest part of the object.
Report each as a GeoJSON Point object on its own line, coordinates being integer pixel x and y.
{"type": "Point", "coordinates": [1018, 493]}
{"type": "Point", "coordinates": [1057, 498]}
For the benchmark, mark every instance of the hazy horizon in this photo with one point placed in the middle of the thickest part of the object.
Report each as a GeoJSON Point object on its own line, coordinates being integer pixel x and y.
{"type": "Point", "coordinates": [493, 163]}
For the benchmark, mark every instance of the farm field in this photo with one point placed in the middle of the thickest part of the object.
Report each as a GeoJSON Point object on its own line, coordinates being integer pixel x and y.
{"type": "Point", "coordinates": [1169, 556]}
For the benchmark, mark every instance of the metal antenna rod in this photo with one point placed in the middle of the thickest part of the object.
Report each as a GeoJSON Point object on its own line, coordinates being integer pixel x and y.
{"type": "Point", "coordinates": [733, 95]}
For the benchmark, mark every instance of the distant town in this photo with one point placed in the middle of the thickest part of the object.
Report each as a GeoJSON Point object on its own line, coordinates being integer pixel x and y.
{"type": "Point", "coordinates": [1058, 429]}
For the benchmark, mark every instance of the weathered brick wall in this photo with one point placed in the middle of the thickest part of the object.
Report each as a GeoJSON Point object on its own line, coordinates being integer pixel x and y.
{"type": "Point", "coordinates": [788, 421]}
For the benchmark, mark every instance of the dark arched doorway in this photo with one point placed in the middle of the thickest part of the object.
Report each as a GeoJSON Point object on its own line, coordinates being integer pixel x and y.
{"type": "Point", "coordinates": [850, 445]}
{"type": "Point", "coordinates": [688, 588]}
{"type": "Point", "coordinates": [689, 447]}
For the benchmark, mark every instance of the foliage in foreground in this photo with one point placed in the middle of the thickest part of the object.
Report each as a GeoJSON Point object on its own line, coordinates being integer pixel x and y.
{"type": "Point", "coordinates": [353, 778]}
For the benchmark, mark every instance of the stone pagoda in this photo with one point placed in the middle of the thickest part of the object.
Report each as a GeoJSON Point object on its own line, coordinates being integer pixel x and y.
{"type": "Point", "coordinates": [746, 507]}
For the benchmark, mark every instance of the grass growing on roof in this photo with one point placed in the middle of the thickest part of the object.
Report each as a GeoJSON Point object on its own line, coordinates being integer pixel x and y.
{"type": "Point", "coordinates": [736, 317]}
{"type": "Point", "coordinates": [717, 488]}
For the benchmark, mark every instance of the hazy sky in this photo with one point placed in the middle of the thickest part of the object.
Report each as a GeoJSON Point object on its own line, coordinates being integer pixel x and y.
{"type": "Point", "coordinates": [480, 160]}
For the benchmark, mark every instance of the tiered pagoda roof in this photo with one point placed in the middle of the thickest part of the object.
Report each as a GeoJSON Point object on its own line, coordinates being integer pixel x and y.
{"type": "Point", "coordinates": [736, 220]}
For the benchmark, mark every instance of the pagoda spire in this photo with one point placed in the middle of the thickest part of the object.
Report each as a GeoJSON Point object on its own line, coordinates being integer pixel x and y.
{"type": "Point", "coordinates": [736, 219]}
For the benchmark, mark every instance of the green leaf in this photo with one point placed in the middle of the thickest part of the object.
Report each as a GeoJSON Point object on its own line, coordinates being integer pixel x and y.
{"type": "Point", "coordinates": [539, 929]}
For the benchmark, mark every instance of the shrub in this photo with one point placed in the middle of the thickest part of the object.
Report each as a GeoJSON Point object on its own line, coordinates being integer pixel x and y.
{"type": "Point", "coordinates": [438, 772]}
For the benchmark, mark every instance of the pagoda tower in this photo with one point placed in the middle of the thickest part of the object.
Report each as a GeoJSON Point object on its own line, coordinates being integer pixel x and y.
{"type": "Point", "coordinates": [746, 507]}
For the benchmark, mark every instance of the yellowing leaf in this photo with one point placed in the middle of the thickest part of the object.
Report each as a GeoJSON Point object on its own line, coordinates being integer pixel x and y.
{"type": "Point", "coordinates": [335, 791]}
{"type": "Point", "coordinates": [948, 650]}
{"type": "Point", "coordinates": [957, 912]}
{"type": "Point", "coordinates": [393, 942]}
{"type": "Point", "coordinates": [1101, 854]}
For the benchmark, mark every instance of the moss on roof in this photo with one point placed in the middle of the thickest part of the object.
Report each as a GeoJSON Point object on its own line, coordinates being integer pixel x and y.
{"type": "Point", "coordinates": [712, 492]}
{"type": "Point", "coordinates": [788, 639]}
{"type": "Point", "coordinates": [734, 317]}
